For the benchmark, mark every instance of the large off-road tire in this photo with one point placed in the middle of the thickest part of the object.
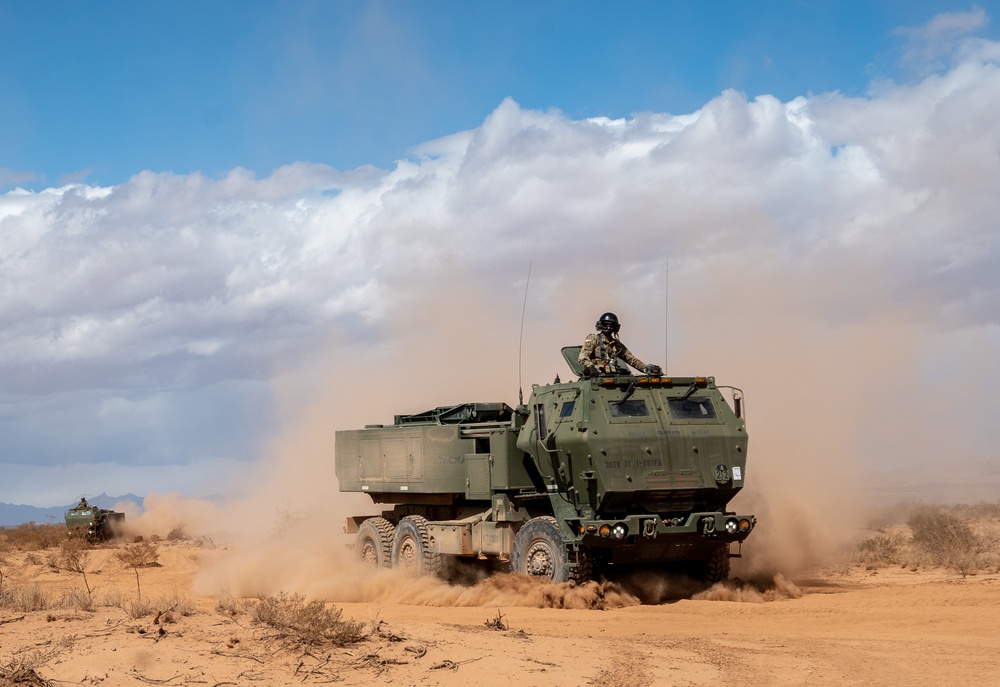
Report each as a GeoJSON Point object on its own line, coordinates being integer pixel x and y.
{"type": "Point", "coordinates": [374, 543]}
{"type": "Point", "coordinates": [539, 551]}
{"type": "Point", "coordinates": [716, 567]}
{"type": "Point", "coordinates": [411, 547]}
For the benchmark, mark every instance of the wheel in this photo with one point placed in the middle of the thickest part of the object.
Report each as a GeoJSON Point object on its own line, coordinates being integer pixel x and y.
{"type": "Point", "coordinates": [539, 551]}
{"type": "Point", "coordinates": [716, 567]}
{"type": "Point", "coordinates": [374, 543]}
{"type": "Point", "coordinates": [411, 549]}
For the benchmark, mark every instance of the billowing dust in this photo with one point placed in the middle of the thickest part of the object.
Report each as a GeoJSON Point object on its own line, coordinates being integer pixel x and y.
{"type": "Point", "coordinates": [280, 528]}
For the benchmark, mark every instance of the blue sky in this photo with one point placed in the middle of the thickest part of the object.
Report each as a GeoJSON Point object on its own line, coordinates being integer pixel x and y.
{"type": "Point", "coordinates": [97, 92]}
{"type": "Point", "coordinates": [229, 229]}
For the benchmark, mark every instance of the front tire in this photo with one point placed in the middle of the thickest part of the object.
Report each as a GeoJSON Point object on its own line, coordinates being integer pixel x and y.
{"type": "Point", "coordinates": [411, 547]}
{"type": "Point", "coordinates": [373, 545]}
{"type": "Point", "coordinates": [539, 551]}
{"type": "Point", "coordinates": [716, 567]}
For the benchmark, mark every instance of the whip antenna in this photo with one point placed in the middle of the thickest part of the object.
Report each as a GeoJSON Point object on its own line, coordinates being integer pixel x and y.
{"type": "Point", "coordinates": [666, 315]}
{"type": "Point", "coordinates": [520, 388]}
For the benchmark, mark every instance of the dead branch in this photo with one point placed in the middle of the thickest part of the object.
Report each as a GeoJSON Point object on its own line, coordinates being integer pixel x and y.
{"type": "Point", "coordinates": [453, 665]}
{"type": "Point", "coordinates": [417, 649]}
{"type": "Point", "coordinates": [234, 654]}
{"type": "Point", "coordinates": [11, 620]}
{"type": "Point", "coordinates": [152, 681]}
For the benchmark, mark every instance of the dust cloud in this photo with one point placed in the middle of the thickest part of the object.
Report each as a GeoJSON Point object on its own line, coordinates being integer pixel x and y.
{"type": "Point", "coordinates": [810, 415]}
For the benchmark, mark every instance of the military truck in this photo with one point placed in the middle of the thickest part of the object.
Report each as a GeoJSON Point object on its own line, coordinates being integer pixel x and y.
{"type": "Point", "coordinates": [93, 523]}
{"type": "Point", "coordinates": [589, 476]}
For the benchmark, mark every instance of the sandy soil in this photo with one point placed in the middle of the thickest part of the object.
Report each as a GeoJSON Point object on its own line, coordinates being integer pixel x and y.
{"type": "Point", "coordinates": [848, 626]}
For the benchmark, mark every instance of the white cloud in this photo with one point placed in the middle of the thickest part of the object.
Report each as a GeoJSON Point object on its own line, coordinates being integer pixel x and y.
{"type": "Point", "coordinates": [855, 233]}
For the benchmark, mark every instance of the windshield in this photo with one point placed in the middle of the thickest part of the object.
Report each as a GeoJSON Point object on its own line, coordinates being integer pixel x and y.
{"type": "Point", "coordinates": [694, 408]}
{"type": "Point", "coordinates": [630, 408]}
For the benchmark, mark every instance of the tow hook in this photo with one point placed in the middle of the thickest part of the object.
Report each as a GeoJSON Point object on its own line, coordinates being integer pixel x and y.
{"type": "Point", "coordinates": [708, 525]}
{"type": "Point", "coordinates": [649, 529]}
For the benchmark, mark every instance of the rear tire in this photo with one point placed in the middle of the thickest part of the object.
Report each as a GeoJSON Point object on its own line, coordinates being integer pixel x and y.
{"type": "Point", "coordinates": [411, 547]}
{"type": "Point", "coordinates": [374, 542]}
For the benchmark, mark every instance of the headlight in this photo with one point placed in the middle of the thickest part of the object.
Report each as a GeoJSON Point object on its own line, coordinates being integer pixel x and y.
{"type": "Point", "coordinates": [619, 531]}
{"type": "Point", "coordinates": [731, 526]}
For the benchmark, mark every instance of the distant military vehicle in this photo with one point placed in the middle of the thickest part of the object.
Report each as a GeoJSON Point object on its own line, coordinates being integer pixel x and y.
{"type": "Point", "coordinates": [589, 476]}
{"type": "Point", "coordinates": [96, 524]}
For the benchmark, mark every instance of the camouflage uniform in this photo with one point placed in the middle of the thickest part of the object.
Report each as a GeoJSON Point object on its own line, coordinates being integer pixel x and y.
{"type": "Point", "coordinates": [602, 350]}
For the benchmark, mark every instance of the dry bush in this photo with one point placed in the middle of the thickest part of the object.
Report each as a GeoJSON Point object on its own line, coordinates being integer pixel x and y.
{"type": "Point", "coordinates": [176, 604]}
{"type": "Point", "coordinates": [32, 537]}
{"type": "Point", "coordinates": [880, 549]}
{"type": "Point", "coordinates": [947, 539]}
{"type": "Point", "coordinates": [22, 667]}
{"type": "Point", "coordinates": [142, 554]}
{"type": "Point", "coordinates": [297, 621]}
{"type": "Point", "coordinates": [78, 599]}
{"type": "Point", "coordinates": [228, 605]}
{"type": "Point", "coordinates": [978, 511]}
{"type": "Point", "coordinates": [177, 534]}
{"type": "Point", "coordinates": [75, 558]}
{"type": "Point", "coordinates": [25, 597]}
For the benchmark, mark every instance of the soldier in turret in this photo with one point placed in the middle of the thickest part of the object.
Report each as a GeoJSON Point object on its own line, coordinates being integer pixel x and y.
{"type": "Point", "coordinates": [601, 351]}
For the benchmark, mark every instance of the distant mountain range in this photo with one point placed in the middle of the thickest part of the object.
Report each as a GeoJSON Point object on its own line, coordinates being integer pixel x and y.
{"type": "Point", "coordinates": [12, 515]}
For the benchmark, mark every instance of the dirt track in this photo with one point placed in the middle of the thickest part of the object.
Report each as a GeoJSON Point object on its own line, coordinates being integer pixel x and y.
{"type": "Point", "coordinates": [849, 627]}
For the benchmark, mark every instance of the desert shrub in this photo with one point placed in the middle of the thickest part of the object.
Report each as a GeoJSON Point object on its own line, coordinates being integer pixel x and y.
{"type": "Point", "coordinates": [177, 534]}
{"type": "Point", "coordinates": [78, 599]}
{"type": "Point", "coordinates": [297, 621]}
{"type": "Point", "coordinates": [142, 554]}
{"type": "Point", "coordinates": [880, 549]}
{"type": "Point", "coordinates": [33, 537]}
{"type": "Point", "coordinates": [978, 511]}
{"type": "Point", "coordinates": [947, 539]}
{"type": "Point", "coordinates": [175, 604]}
{"type": "Point", "coordinates": [20, 669]}
{"type": "Point", "coordinates": [25, 597]}
{"type": "Point", "coordinates": [228, 605]}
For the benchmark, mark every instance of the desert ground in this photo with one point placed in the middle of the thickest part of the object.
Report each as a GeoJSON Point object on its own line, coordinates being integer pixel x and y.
{"type": "Point", "coordinates": [887, 614]}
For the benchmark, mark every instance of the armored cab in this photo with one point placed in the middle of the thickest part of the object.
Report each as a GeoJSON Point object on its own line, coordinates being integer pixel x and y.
{"type": "Point", "coordinates": [96, 524]}
{"type": "Point", "coordinates": [588, 475]}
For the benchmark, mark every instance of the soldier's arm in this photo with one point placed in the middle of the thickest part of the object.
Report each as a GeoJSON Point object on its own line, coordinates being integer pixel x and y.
{"type": "Point", "coordinates": [626, 354]}
{"type": "Point", "coordinates": [586, 357]}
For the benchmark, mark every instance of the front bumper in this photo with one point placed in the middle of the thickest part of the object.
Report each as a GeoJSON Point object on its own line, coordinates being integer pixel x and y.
{"type": "Point", "coordinates": [630, 529]}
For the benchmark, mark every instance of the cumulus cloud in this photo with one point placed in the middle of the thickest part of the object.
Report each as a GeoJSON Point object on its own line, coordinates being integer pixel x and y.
{"type": "Point", "coordinates": [837, 257]}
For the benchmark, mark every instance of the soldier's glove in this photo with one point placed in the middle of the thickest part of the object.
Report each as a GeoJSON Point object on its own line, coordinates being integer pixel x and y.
{"type": "Point", "coordinates": [592, 371]}
{"type": "Point", "coordinates": [654, 370]}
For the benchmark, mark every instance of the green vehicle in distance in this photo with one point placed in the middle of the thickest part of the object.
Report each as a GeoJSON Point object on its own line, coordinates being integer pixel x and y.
{"type": "Point", "coordinates": [93, 523]}
{"type": "Point", "coordinates": [590, 476]}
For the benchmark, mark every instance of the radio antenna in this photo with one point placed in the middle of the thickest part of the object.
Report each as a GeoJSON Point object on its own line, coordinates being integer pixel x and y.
{"type": "Point", "coordinates": [520, 388]}
{"type": "Point", "coordinates": [666, 315]}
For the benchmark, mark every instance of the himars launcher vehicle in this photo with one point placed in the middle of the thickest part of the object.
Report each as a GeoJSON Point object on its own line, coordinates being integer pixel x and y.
{"type": "Point", "coordinates": [589, 476]}
{"type": "Point", "coordinates": [96, 524]}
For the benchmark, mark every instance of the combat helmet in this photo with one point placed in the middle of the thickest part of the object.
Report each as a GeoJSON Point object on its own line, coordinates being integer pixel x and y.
{"type": "Point", "coordinates": [608, 322]}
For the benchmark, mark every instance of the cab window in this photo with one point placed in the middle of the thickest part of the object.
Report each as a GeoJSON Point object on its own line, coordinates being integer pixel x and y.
{"type": "Point", "coordinates": [694, 408]}
{"type": "Point", "coordinates": [630, 408]}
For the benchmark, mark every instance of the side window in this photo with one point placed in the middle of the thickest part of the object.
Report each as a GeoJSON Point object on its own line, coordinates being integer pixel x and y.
{"type": "Point", "coordinates": [540, 421]}
{"type": "Point", "coordinates": [567, 409]}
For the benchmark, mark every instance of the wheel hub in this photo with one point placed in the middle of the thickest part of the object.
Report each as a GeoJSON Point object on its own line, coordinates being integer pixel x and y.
{"type": "Point", "coordinates": [407, 555]}
{"type": "Point", "coordinates": [539, 560]}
